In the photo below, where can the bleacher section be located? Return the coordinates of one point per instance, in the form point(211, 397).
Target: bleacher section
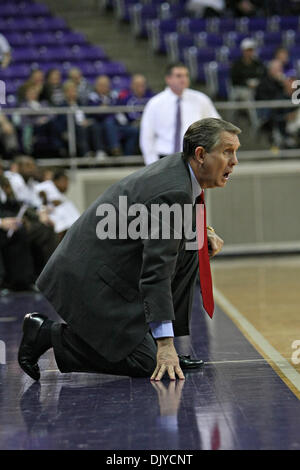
point(207, 46)
point(40, 40)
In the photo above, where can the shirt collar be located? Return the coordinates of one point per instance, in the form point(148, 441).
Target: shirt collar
point(196, 188)
point(168, 89)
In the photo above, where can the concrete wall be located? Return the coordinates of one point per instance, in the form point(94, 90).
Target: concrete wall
point(258, 210)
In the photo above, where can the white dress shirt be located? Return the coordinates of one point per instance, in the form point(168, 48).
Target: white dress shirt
point(4, 46)
point(62, 215)
point(159, 120)
point(24, 192)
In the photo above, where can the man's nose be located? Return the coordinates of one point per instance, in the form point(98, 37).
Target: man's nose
point(234, 160)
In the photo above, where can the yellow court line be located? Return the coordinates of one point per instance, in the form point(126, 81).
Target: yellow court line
point(281, 366)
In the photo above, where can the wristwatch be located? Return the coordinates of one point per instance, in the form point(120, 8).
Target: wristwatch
point(210, 228)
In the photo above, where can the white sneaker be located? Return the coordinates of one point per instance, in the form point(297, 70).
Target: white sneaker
point(100, 155)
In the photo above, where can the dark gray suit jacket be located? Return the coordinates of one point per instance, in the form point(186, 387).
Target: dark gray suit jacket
point(109, 290)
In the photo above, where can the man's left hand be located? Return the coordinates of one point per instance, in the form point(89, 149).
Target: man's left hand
point(215, 243)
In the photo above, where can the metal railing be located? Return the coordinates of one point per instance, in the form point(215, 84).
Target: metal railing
point(92, 110)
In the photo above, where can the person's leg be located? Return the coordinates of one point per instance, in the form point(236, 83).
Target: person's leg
point(111, 133)
point(81, 140)
point(17, 260)
point(72, 354)
point(129, 135)
point(43, 241)
point(96, 137)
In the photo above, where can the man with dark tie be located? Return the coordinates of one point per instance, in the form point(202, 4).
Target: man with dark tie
point(124, 284)
point(168, 114)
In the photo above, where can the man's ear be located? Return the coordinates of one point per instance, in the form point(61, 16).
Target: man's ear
point(199, 154)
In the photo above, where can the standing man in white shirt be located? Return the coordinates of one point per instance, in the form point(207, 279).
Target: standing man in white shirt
point(5, 52)
point(167, 115)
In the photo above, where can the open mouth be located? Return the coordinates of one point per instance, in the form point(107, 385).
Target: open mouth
point(226, 175)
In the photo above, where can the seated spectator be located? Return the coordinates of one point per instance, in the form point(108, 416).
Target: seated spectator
point(37, 131)
point(246, 72)
point(291, 116)
point(5, 52)
point(44, 173)
point(206, 8)
point(52, 91)
point(9, 146)
point(83, 86)
point(245, 7)
point(138, 95)
point(27, 238)
point(271, 87)
point(37, 78)
point(114, 131)
point(106, 123)
point(61, 211)
point(282, 54)
point(86, 129)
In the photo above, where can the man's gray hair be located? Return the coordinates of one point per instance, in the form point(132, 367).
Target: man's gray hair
point(205, 133)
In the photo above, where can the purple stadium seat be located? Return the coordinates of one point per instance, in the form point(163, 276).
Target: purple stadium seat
point(269, 38)
point(294, 53)
point(284, 23)
point(206, 55)
point(193, 25)
point(225, 25)
point(209, 40)
point(15, 39)
point(169, 10)
point(15, 71)
point(120, 83)
point(25, 54)
point(140, 15)
point(234, 53)
point(234, 38)
point(266, 53)
point(87, 52)
point(157, 30)
point(122, 8)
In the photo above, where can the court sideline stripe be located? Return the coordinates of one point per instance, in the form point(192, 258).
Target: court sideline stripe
point(281, 365)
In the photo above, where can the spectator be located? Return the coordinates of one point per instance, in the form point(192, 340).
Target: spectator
point(16, 262)
point(8, 138)
point(83, 86)
point(106, 123)
point(36, 78)
point(37, 131)
point(33, 232)
point(245, 7)
point(62, 211)
point(271, 87)
point(246, 72)
point(167, 115)
point(5, 52)
point(290, 128)
point(282, 54)
point(138, 95)
point(53, 90)
point(86, 129)
point(206, 8)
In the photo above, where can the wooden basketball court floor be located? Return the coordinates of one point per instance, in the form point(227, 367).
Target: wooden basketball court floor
point(245, 397)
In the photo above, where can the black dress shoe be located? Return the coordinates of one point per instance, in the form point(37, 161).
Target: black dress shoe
point(186, 362)
point(30, 350)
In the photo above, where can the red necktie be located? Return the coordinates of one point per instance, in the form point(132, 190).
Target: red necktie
point(204, 265)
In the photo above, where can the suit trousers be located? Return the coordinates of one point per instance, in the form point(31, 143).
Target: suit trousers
point(73, 354)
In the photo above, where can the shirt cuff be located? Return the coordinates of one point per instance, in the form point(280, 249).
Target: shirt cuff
point(161, 329)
